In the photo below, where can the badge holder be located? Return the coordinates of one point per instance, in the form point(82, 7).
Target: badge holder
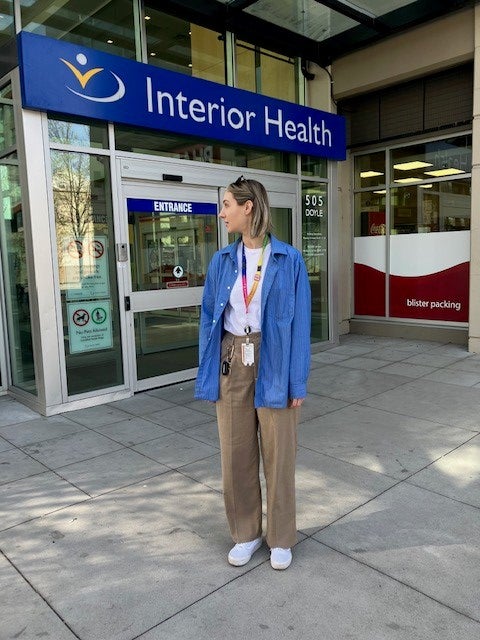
point(248, 351)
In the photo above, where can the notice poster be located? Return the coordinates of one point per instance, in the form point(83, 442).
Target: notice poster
point(84, 268)
point(89, 326)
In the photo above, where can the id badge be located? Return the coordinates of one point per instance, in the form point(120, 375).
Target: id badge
point(248, 354)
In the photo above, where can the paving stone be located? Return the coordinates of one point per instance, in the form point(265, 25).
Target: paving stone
point(97, 416)
point(24, 613)
point(381, 441)
point(322, 595)
point(40, 429)
point(133, 431)
point(444, 403)
point(59, 452)
point(15, 465)
point(142, 404)
point(120, 564)
point(179, 418)
point(457, 474)
point(326, 489)
point(425, 540)
point(175, 450)
point(34, 497)
point(111, 471)
point(12, 412)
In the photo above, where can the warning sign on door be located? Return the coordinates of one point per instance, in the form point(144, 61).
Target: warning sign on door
point(84, 268)
point(89, 326)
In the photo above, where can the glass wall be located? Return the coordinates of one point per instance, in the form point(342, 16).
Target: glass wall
point(87, 270)
point(14, 257)
point(77, 132)
point(7, 25)
point(142, 31)
point(262, 71)
point(211, 151)
point(106, 26)
point(179, 45)
point(408, 202)
point(16, 285)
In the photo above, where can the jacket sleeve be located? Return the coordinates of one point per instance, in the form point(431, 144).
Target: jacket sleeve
point(208, 306)
point(301, 327)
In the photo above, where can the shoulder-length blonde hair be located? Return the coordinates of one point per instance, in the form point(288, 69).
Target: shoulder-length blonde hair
point(243, 190)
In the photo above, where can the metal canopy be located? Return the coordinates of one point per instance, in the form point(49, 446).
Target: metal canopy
point(317, 30)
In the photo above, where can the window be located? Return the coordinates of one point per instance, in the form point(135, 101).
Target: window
point(179, 45)
point(408, 201)
point(106, 26)
point(264, 72)
point(202, 150)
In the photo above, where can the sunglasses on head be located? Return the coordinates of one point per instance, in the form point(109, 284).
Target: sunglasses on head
point(239, 181)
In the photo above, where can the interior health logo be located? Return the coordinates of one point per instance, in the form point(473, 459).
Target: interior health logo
point(84, 78)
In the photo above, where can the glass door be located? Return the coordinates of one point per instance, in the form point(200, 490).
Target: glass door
point(172, 236)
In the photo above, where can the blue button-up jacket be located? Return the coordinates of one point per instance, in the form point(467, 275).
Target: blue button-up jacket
point(286, 317)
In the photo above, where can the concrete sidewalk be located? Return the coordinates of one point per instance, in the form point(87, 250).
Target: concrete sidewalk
point(112, 523)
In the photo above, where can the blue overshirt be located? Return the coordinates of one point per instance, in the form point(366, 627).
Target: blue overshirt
point(285, 320)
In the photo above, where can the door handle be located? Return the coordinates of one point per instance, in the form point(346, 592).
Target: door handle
point(127, 303)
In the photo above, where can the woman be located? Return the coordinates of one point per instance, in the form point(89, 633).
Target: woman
point(254, 363)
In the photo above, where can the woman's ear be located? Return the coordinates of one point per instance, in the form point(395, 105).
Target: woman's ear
point(248, 207)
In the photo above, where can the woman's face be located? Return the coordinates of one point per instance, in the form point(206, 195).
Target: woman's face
point(235, 216)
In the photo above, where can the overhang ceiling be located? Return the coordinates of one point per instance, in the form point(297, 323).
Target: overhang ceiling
point(319, 31)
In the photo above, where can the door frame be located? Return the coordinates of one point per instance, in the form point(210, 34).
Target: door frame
point(4, 346)
point(144, 177)
point(161, 299)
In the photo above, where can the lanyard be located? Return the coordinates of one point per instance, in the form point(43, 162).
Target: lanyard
point(258, 274)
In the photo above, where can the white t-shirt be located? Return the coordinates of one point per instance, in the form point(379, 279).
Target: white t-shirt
point(236, 318)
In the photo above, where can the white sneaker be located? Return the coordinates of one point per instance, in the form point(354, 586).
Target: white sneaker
point(241, 553)
point(280, 558)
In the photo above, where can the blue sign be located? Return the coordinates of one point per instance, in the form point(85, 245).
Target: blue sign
point(72, 79)
point(171, 207)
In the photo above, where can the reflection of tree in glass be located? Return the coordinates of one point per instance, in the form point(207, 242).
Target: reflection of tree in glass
point(73, 133)
point(72, 192)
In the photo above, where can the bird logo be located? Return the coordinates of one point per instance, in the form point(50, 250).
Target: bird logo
point(84, 78)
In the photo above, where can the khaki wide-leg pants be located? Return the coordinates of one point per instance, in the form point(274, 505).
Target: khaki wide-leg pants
point(240, 427)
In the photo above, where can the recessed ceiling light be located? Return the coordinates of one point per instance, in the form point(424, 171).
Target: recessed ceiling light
point(381, 192)
point(416, 164)
point(148, 18)
point(426, 186)
point(370, 174)
point(408, 180)
point(109, 41)
point(444, 172)
point(152, 53)
point(190, 65)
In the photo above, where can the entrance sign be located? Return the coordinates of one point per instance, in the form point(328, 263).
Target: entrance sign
point(67, 78)
point(171, 207)
point(89, 326)
point(84, 268)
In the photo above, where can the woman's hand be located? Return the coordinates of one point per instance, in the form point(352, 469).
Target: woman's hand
point(296, 402)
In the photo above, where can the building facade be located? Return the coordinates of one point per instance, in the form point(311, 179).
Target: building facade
point(120, 127)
